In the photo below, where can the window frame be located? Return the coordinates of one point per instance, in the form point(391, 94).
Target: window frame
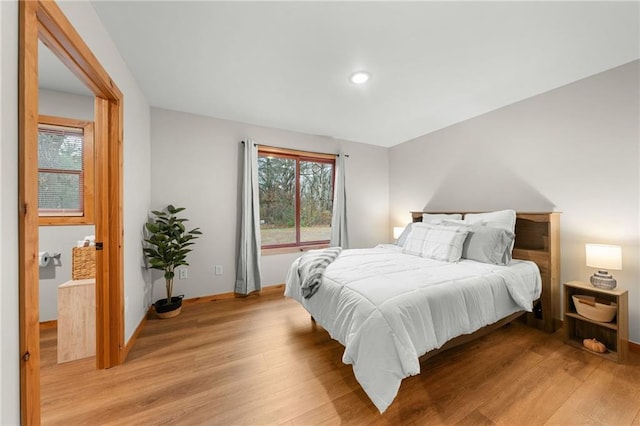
point(53, 217)
point(298, 156)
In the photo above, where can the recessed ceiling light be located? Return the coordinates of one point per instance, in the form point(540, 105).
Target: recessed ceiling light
point(360, 77)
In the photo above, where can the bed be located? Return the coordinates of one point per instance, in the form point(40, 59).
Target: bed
point(389, 307)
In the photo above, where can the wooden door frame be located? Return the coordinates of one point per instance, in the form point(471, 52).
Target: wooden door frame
point(44, 20)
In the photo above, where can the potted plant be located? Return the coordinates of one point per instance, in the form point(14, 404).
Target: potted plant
point(168, 244)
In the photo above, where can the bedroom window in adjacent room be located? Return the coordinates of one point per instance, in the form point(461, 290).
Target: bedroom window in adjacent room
point(296, 197)
point(65, 171)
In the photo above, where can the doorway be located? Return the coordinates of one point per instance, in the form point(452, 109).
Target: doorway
point(44, 21)
point(66, 206)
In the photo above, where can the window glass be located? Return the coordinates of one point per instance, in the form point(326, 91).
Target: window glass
point(277, 181)
point(58, 191)
point(316, 201)
point(65, 171)
point(296, 198)
point(60, 170)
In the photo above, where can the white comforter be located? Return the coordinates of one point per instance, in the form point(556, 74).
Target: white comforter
point(388, 308)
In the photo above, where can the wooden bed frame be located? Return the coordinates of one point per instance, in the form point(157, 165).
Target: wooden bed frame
point(538, 240)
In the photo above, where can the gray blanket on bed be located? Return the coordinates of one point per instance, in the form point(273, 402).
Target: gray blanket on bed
point(311, 268)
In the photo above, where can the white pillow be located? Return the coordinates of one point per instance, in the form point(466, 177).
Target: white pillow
point(415, 239)
point(438, 242)
point(487, 244)
point(449, 222)
point(505, 219)
point(434, 218)
point(484, 243)
point(431, 217)
point(405, 233)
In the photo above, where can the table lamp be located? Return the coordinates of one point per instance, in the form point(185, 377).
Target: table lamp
point(604, 257)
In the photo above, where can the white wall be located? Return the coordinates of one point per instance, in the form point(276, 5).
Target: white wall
point(67, 105)
point(195, 165)
point(60, 239)
point(574, 150)
point(9, 349)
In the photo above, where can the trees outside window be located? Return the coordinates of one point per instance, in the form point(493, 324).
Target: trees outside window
point(65, 171)
point(296, 197)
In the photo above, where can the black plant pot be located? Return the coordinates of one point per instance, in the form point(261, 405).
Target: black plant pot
point(166, 309)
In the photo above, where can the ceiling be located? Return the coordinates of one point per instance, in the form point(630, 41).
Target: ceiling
point(286, 64)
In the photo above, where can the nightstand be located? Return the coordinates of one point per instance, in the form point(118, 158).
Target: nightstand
point(614, 334)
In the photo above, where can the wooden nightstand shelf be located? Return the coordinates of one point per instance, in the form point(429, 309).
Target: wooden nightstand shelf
point(613, 334)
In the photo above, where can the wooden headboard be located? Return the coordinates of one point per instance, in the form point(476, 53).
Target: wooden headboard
point(538, 240)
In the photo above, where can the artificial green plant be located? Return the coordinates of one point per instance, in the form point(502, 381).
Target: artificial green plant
point(168, 243)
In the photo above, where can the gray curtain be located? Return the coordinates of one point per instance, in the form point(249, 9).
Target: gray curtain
point(339, 234)
point(248, 278)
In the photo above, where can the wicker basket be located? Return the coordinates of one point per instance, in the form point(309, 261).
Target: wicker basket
point(83, 263)
point(590, 307)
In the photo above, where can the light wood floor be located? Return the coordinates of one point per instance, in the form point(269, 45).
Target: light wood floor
point(260, 360)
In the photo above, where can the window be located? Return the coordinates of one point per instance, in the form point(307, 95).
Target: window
point(65, 171)
point(296, 197)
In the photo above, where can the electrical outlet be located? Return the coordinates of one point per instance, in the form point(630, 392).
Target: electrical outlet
point(218, 269)
point(183, 273)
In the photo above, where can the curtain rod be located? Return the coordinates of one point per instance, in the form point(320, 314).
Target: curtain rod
point(310, 152)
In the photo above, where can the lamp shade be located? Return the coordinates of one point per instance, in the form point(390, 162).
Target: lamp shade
point(604, 256)
point(397, 231)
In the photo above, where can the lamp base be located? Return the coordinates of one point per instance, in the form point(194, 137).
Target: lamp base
point(602, 279)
